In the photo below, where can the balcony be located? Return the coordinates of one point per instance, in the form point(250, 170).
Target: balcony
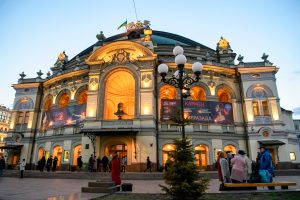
point(20, 128)
point(263, 120)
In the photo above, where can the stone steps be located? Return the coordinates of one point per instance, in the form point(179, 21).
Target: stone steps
point(101, 187)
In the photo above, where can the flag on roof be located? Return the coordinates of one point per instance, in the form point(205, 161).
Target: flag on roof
point(124, 24)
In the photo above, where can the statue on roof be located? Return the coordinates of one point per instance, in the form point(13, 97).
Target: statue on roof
point(61, 60)
point(22, 75)
point(240, 58)
point(40, 74)
point(100, 36)
point(265, 57)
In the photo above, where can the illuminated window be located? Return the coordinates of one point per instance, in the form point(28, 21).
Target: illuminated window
point(41, 153)
point(82, 97)
point(57, 151)
point(76, 154)
point(47, 104)
point(198, 93)
point(167, 92)
point(20, 117)
point(255, 108)
point(26, 117)
point(167, 150)
point(223, 96)
point(119, 88)
point(265, 108)
point(201, 156)
point(230, 148)
point(63, 100)
point(292, 156)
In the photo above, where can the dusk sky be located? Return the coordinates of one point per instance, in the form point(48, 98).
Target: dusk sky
point(34, 32)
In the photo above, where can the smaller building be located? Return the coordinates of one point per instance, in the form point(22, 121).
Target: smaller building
point(5, 116)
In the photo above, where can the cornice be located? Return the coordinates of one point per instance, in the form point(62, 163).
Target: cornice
point(63, 76)
point(26, 85)
point(262, 69)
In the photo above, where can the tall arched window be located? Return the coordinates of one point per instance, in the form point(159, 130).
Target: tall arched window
point(48, 104)
point(167, 92)
point(63, 100)
point(223, 96)
point(82, 97)
point(198, 93)
point(260, 102)
point(119, 88)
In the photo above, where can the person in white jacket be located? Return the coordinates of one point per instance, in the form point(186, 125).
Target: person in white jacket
point(22, 167)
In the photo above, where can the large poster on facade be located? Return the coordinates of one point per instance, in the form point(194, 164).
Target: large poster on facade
point(199, 111)
point(61, 117)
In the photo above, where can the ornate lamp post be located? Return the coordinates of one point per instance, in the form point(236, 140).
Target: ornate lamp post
point(180, 79)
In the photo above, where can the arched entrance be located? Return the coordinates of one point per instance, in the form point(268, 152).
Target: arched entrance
point(167, 149)
point(201, 156)
point(57, 151)
point(110, 149)
point(230, 148)
point(76, 154)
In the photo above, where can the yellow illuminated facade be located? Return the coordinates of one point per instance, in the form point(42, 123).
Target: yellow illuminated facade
point(109, 98)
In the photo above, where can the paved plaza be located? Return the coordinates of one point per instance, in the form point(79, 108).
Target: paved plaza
point(69, 189)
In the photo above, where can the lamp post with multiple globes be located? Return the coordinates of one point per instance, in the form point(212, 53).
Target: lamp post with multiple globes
point(180, 79)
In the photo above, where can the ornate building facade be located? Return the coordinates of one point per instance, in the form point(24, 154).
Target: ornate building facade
point(4, 127)
point(110, 98)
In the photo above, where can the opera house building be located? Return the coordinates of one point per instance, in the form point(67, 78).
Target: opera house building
point(110, 97)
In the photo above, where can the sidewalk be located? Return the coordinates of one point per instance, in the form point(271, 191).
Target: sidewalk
point(69, 189)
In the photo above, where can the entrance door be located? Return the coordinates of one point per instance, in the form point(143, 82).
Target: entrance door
point(120, 148)
point(201, 159)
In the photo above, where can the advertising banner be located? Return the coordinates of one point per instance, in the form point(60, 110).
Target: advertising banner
point(199, 111)
point(60, 117)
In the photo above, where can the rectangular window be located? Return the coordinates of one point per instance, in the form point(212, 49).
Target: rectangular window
point(20, 118)
point(265, 108)
point(255, 108)
point(26, 117)
point(292, 156)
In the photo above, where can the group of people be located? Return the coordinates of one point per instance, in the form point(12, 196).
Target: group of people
point(239, 168)
point(105, 164)
point(50, 163)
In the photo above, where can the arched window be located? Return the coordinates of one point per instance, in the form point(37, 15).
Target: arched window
point(167, 92)
point(25, 103)
point(41, 153)
point(48, 104)
point(223, 96)
point(119, 88)
point(63, 100)
point(82, 97)
point(230, 148)
point(198, 93)
point(260, 102)
point(57, 151)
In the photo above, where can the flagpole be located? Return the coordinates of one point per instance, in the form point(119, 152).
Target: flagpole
point(135, 10)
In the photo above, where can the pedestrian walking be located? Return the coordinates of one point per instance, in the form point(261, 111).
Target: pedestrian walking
point(104, 163)
point(2, 165)
point(49, 163)
point(265, 163)
point(22, 167)
point(115, 169)
point(239, 167)
point(148, 164)
point(124, 163)
point(54, 163)
point(79, 163)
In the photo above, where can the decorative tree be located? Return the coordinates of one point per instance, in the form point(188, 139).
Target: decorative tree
point(182, 178)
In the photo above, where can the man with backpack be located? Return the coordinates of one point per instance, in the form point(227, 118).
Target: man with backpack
point(265, 164)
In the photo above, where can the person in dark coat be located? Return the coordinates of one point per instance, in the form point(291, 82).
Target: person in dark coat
point(99, 162)
point(43, 163)
point(91, 163)
point(79, 163)
point(2, 165)
point(104, 163)
point(54, 163)
point(49, 163)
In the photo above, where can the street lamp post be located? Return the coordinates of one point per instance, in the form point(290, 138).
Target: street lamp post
point(180, 79)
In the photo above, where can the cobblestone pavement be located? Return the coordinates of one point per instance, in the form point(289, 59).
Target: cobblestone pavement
point(69, 189)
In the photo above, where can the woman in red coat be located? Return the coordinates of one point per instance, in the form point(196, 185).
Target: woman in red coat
point(115, 172)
